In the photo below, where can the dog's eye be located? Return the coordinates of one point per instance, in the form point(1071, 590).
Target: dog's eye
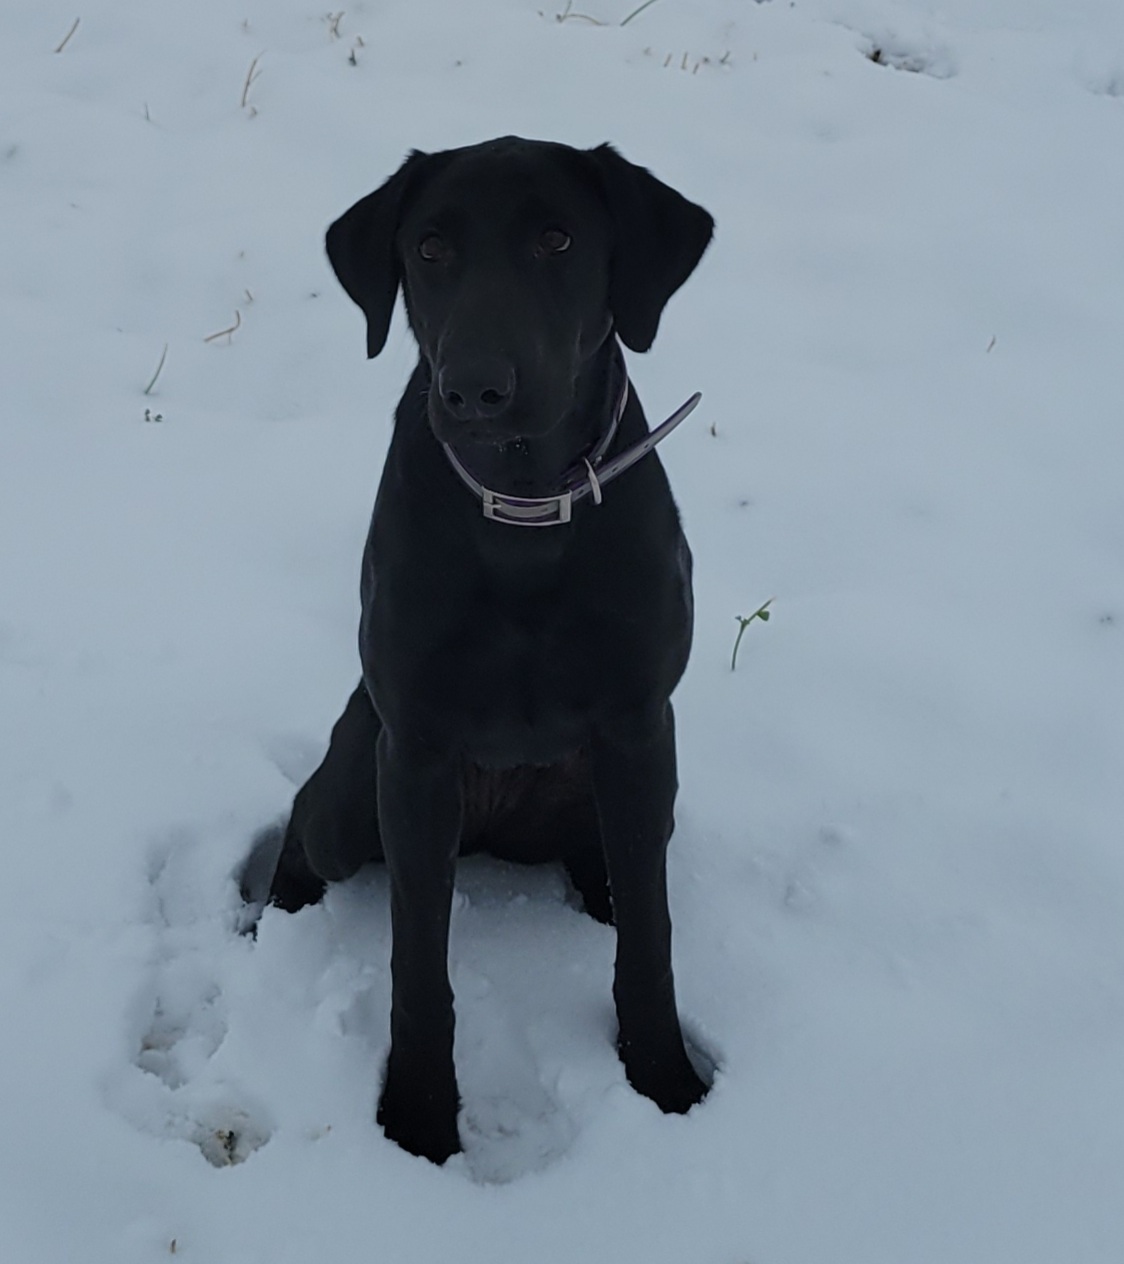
point(432, 248)
point(554, 241)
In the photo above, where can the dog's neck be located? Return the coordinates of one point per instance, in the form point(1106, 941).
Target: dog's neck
point(534, 467)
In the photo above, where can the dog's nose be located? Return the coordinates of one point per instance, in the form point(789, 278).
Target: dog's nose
point(478, 391)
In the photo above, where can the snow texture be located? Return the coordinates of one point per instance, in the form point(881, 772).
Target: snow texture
point(897, 878)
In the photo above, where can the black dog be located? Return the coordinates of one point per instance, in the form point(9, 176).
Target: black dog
point(516, 682)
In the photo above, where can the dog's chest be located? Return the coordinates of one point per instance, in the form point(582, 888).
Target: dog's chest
point(526, 691)
point(518, 664)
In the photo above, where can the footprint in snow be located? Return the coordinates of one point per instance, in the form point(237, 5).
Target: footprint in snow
point(1105, 80)
point(516, 1119)
point(916, 56)
point(511, 1123)
point(181, 1090)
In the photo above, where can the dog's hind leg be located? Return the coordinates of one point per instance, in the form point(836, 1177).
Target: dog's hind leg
point(333, 828)
point(276, 872)
point(294, 885)
point(586, 870)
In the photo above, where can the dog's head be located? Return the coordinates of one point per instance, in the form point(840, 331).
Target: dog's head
point(517, 260)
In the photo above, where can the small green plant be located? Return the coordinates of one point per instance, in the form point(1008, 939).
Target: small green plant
point(743, 621)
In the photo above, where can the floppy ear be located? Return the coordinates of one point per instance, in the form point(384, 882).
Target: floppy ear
point(363, 254)
point(658, 239)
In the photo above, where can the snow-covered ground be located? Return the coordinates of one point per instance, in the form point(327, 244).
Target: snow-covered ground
point(898, 877)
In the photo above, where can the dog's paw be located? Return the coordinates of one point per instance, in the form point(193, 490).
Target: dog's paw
point(422, 1120)
point(668, 1078)
point(421, 1131)
point(674, 1092)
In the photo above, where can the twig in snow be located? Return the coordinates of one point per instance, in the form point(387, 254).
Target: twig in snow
point(992, 343)
point(579, 17)
point(227, 333)
point(251, 75)
point(636, 12)
point(762, 613)
point(152, 383)
point(333, 20)
point(567, 13)
point(66, 38)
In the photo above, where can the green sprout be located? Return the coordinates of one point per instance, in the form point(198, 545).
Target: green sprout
point(743, 621)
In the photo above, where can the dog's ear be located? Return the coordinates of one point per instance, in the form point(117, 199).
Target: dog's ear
point(363, 254)
point(658, 239)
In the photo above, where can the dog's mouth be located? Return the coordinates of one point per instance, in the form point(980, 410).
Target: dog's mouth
point(510, 434)
point(515, 446)
point(461, 434)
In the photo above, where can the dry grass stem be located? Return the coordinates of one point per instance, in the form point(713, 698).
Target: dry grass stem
point(227, 333)
point(66, 37)
point(251, 75)
point(568, 13)
point(152, 383)
point(636, 12)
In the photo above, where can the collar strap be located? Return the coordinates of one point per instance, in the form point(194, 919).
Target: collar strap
point(584, 479)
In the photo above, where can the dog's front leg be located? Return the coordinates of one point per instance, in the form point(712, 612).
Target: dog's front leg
point(634, 779)
point(420, 819)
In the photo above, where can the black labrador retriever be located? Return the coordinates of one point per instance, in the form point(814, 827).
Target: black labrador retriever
point(526, 588)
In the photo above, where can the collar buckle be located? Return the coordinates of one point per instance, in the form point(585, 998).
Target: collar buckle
point(526, 511)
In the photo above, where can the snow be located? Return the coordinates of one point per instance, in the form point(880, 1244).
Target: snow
point(897, 875)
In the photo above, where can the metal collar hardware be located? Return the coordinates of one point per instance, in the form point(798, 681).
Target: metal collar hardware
point(587, 478)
